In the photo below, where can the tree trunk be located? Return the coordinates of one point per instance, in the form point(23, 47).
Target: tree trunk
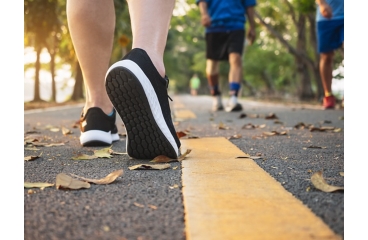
point(52, 70)
point(315, 68)
point(305, 90)
point(78, 93)
point(37, 97)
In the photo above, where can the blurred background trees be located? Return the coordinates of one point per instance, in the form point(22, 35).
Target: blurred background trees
point(282, 63)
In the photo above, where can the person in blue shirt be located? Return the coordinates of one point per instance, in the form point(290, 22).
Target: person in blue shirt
point(224, 22)
point(330, 37)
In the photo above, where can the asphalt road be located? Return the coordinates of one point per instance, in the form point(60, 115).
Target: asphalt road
point(146, 204)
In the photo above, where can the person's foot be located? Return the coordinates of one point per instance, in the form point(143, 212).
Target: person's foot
point(97, 129)
point(139, 95)
point(329, 102)
point(217, 103)
point(233, 105)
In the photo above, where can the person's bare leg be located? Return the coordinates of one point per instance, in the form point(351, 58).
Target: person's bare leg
point(150, 22)
point(212, 73)
point(325, 66)
point(91, 24)
point(236, 70)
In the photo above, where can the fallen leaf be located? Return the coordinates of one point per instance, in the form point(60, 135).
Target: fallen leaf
point(83, 156)
point(30, 158)
point(312, 146)
point(163, 159)
point(255, 157)
point(183, 155)
point(40, 185)
point(271, 116)
point(117, 153)
point(337, 130)
point(152, 206)
point(54, 144)
point(66, 131)
point(277, 122)
point(54, 129)
point(174, 168)
point(181, 134)
point(320, 183)
point(254, 116)
point(103, 153)
point(31, 148)
point(149, 166)
point(65, 181)
point(248, 126)
point(270, 133)
point(236, 136)
point(341, 173)
point(222, 126)
point(261, 126)
point(106, 180)
point(174, 186)
point(243, 115)
point(139, 205)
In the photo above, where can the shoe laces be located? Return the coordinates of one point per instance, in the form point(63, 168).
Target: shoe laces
point(167, 86)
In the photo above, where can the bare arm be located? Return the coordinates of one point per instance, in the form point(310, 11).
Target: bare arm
point(251, 35)
point(324, 8)
point(205, 17)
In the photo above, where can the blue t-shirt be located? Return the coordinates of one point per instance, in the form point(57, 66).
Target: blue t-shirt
point(337, 7)
point(227, 14)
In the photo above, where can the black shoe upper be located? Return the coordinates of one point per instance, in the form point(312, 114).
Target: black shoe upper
point(160, 84)
point(96, 119)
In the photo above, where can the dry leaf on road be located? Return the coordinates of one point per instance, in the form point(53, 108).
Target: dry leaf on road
point(149, 166)
point(106, 180)
point(65, 181)
point(103, 153)
point(40, 185)
point(31, 158)
point(320, 183)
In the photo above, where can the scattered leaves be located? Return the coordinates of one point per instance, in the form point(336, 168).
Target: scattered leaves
point(106, 180)
point(83, 156)
point(236, 136)
point(31, 158)
point(103, 153)
point(150, 166)
point(66, 131)
point(222, 126)
point(40, 185)
point(271, 116)
point(243, 115)
point(273, 133)
point(65, 181)
point(165, 159)
point(320, 183)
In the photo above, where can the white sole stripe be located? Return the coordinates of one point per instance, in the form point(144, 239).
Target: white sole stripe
point(151, 96)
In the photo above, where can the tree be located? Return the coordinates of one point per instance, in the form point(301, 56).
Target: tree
point(41, 25)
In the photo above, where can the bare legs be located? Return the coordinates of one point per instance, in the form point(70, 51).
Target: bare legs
point(92, 24)
point(325, 65)
point(150, 24)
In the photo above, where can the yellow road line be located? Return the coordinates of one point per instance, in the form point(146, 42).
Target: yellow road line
point(229, 198)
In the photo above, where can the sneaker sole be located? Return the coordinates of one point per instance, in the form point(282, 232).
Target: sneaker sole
point(135, 100)
point(98, 138)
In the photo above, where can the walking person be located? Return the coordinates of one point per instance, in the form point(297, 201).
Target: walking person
point(194, 85)
point(134, 87)
point(224, 23)
point(330, 37)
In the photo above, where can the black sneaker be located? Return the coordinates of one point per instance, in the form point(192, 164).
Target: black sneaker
point(97, 129)
point(234, 107)
point(139, 95)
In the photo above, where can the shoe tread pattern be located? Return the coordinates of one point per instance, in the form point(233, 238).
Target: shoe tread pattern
point(145, 139)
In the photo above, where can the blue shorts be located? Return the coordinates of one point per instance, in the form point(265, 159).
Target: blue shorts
point(330, 35)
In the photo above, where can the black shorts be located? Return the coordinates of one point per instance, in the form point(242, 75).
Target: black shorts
point(220, 44)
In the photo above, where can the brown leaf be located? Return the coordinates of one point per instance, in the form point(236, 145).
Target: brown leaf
point(54, 144)
point(261, 126)
point(163, 159)
point(40, 185)
point(174, 186)
point(65, 181)
point(222, 126)
point(65, 131)
point(248, 126)
point(270, 133)
point(181, 134)
point(150, 166)
point(103, 153)
point(320, 183)
point(254, 115)
point(183, 156)
point(139, 205)
point(83, 156)
point(54, 129)
point(106, 180)
point(30, 158)
point(243, 115)
point(236, 136)
point(271, 116)
point(312, 146)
